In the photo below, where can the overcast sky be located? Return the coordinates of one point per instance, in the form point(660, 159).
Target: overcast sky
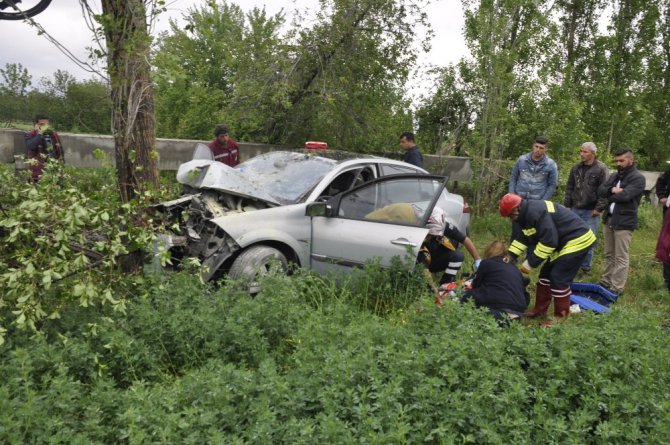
point(20, 42)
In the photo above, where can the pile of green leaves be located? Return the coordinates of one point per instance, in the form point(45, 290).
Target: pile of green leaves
point(60, 245)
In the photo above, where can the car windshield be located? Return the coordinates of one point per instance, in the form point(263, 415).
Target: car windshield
point(286, 176)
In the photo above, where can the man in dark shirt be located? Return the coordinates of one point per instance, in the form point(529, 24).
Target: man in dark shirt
point(554, 238)
point(663, 190)
point(581, 192)
point(412, 155)
point(42, 144)
point(623, 191)
point(224, 148)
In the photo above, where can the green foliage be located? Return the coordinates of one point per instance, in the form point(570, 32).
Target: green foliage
point(192, 364)
point(60, 246)
point(339, 80)
point(364, 358)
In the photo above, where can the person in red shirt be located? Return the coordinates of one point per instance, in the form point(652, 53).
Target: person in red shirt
point(42, 144)
point(224, 148)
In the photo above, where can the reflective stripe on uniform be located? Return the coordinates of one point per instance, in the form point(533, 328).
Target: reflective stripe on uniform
point(550, 207)
point(529, 232)
point(577, 244)
point(517, 247)
point(541, 251)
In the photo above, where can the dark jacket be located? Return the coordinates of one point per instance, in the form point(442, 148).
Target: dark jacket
point(552, 229)
point(581, 192)
point(413, 156)
point(41, 148)
point(499, 285)
point(663, 187)
point(624, 215)
point(46, 144)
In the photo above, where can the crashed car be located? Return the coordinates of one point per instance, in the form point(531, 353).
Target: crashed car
point(323, 210)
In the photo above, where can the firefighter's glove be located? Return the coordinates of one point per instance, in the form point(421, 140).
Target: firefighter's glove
point(525, 268)
point(476, 264)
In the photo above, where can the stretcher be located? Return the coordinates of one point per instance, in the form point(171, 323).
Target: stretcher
point(593, 297)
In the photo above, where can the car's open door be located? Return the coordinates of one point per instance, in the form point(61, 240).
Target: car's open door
point(381, 219)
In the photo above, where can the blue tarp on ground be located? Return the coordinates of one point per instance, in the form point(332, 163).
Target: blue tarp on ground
point(593, 297)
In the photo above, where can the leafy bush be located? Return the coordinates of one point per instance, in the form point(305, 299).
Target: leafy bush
point(58, 246)
point(193, 364)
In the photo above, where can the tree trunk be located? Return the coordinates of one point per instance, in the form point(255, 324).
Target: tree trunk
point(133, 121)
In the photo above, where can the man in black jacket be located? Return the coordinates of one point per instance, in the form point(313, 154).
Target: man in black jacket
point(412, 155)
point(581, 192)
point(663, 190)
point(623, 191)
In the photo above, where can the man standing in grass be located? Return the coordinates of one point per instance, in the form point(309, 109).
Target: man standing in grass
point(535, 174)
point(623, 191)
point(581, 193)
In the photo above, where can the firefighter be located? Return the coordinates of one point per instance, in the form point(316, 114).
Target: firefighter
point(561, 241)
point(439, 250)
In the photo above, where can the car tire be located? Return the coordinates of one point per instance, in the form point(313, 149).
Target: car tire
point(255, 262)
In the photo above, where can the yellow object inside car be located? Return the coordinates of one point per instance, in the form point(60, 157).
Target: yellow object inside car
point(400, 212)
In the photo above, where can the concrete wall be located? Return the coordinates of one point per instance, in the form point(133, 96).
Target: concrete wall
point(79, 150)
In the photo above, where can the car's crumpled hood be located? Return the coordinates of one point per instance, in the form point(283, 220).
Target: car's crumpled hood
point(206, 174)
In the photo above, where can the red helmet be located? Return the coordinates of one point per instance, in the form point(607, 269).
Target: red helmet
point(508, 203)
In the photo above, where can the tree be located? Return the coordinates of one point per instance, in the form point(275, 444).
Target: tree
point(14, 92)
point(445, 117)
point(222, 66)
point(340, 80)
point(124, 27)
point(350, 70)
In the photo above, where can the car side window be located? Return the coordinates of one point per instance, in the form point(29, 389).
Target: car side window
point(392, 169)
point(348, 180)
point(398, 201)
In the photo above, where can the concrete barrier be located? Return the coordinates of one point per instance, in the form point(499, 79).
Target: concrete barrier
point(80, 148)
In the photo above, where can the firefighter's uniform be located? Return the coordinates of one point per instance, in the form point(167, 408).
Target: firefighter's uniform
point(559, 239)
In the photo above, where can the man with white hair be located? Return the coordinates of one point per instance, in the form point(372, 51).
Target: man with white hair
point(439, 251)
point(581, 193)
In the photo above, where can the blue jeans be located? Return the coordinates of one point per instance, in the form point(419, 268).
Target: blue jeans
point(594, 223)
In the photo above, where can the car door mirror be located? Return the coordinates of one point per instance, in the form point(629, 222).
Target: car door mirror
point(318, 209)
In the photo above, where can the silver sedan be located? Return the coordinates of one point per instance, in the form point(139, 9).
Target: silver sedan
point(324, 210)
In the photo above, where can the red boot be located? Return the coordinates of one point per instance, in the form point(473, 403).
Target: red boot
point(542, 301)
point(562, 307)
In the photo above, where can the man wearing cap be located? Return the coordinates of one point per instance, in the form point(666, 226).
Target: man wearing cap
point(581, 193)
point(224, 148)
point(559, 239)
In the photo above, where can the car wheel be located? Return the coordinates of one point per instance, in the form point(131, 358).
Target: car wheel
point(255, 262)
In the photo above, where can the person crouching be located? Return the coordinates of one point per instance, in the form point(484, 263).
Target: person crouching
point(499, 285)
